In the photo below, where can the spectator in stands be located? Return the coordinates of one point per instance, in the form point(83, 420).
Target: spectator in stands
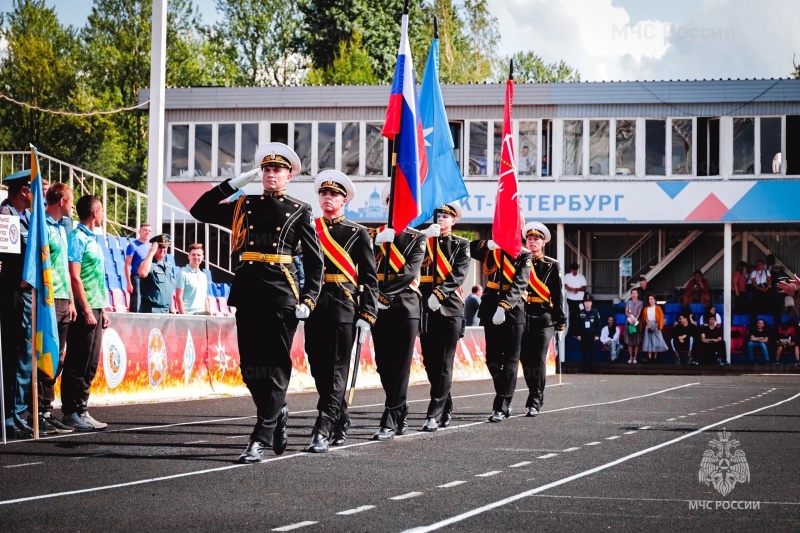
point(712, 311)
point(85, 335)
point(588, 332)
point(759, 338)
point(471, 305)
point(697, 290)
point(760, 281)
point(134, 254)
point(683, 340)
point(785, 342)
point(157, 277)
point(609, 338)
point(712, 346)
point(641, 289)
point(191, 285)
point(633, 317)
point(575, 285)
point(653, 338)
point(739, 283)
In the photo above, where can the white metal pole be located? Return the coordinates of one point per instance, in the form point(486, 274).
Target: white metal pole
point(155, 149)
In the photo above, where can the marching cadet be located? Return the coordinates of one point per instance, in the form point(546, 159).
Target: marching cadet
point(502, 316)
point(399, 304)
point(266, 232)
point(346, 306)
point(544, 314)
point(444, 269)
point(157, 279)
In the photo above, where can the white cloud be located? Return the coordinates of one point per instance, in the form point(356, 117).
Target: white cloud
point(716, 39)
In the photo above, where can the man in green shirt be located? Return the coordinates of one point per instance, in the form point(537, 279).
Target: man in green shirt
point(85, 336)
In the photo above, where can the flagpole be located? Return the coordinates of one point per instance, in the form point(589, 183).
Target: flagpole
point(435, 210)
point(2, 392)
point(34, 373)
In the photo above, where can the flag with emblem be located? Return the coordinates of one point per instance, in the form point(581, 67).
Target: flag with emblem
point(444, 183)
point(38, 274)
point(404, 127)
point(507, 225)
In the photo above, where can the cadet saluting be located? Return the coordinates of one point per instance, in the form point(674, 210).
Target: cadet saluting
point(443, 310)
point(544, 314)
point(502, 316)
point(266, 232)
point(342, 309)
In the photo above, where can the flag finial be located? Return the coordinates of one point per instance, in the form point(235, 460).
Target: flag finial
point(405, 7)
point(435, 27)
point(511, 70)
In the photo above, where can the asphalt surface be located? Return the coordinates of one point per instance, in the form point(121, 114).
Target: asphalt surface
point(607, 453)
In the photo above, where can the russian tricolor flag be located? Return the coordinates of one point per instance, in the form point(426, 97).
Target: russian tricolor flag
point(404, 126)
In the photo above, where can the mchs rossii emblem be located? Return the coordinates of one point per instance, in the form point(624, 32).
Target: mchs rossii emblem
point(723, 466)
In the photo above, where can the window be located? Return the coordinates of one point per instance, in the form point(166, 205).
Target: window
point(598, 147)
point(202, 150)
point(374, 157)
point(771, 157)
point(498, 146)
point(547, 147)
point(792, 139)
point(655, 137)
point(226, 150)
point(326, 145)
point(573, 148)
point(249, 145)
point(302, 145)
point(279, 133)
point(526, 164)
point(626, 147)
point(180, 150)
point(477, 148)
point(744, 141)
point(681, 146)
point(455, 132)
point(350, 148)
point(707, 146)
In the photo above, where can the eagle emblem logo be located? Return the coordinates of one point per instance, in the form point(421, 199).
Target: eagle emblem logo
point(722, 466)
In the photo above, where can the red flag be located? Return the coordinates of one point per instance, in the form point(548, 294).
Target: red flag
point(507, 216)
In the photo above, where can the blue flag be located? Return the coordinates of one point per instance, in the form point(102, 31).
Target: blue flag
point(38, 274)
point(444, 183)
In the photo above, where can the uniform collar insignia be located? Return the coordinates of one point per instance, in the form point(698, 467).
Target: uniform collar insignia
point(446, 234)
point(275, 194)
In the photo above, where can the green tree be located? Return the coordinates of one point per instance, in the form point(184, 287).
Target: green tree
point(483, 37)
point(529, 67)
point(453, 42)
point(351, 66)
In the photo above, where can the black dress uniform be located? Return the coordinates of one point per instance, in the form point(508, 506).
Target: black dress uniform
point(330, 330)
point(396, 328)
point(267, 230)
point(503, 342)
point(589, 326)
point(441, 329)
point(544, 312)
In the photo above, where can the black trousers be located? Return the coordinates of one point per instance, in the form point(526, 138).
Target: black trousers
point(439, 343)
point(80, 364)
point(711, 351)
point(503, 344)
point(587, 349)
point(265, 342)
point(329, 346)
point(393, 335)
point(535, 345)
point(574, 309)
point(11, 310)
point(135, 297)
point(45, 384)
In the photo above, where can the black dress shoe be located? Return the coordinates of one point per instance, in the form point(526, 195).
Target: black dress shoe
point(254, 452)
point(431, 425)
point(319, 444)
point(280, 439)
point(496, 416)
point(339, 437)
point(384, 433)
point(402, 427)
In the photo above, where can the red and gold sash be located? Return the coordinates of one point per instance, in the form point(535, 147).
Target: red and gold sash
point(538, 287)
point(333, 251)
point(443, 266)
point(501, 259)
point(396, 259)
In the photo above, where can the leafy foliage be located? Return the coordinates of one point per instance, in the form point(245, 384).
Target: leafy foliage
point(529, 67)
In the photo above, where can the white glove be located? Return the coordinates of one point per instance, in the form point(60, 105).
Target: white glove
point(302, 312)
point(382, 306)
point(243, 179)
point(433, 303)
point(491, 245)
point(386, 235)
point(362, 327)
point(434, 230)
point(499, 316)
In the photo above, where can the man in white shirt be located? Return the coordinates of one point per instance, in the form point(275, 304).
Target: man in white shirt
point(575, 287)
point(191, 287)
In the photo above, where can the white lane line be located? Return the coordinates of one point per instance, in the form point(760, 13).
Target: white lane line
point(237, 436)
point(671, 419)
point(90, 456)
point(614, 401)
point(595, 443)
point(487, 474)
point(195, 442)
point(612, 437)
point(298, 525)
point(23, 464)
point(547, 456)
point(692, 414)
point(451, 484)
point(645, 427)
point(357, 510)
point(406, 496)
point(517, 465)
point(682, 416)
point(571, 449)
point(629, 432)
point(542, 488)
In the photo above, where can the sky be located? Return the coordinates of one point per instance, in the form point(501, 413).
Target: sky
point(614, 40)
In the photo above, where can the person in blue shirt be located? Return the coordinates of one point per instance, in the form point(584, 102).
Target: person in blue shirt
point(134, 255)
